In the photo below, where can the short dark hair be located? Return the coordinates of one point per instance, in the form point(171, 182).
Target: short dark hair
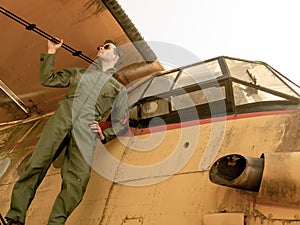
point(117, 51)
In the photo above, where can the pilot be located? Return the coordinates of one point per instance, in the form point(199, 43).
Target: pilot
point(91, 94)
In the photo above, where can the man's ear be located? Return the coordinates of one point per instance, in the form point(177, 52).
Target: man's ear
point(116, 58)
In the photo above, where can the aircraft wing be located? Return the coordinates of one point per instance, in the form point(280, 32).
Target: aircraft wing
point(84, 25)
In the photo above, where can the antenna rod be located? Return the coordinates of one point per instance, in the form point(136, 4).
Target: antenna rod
point(34, 28)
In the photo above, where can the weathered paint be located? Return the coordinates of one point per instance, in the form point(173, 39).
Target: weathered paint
point(185, 197)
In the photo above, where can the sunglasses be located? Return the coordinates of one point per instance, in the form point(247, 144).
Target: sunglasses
point(108, 46)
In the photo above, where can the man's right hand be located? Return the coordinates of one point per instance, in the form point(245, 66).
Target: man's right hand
point(52, 47)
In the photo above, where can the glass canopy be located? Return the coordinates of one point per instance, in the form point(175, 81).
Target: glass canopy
point(235, 82)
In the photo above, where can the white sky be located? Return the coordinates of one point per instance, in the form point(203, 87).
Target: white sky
point(264, 30)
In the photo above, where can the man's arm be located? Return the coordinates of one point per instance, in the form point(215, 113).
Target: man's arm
point(119, 116)
point(47, 61)
point(119, 119)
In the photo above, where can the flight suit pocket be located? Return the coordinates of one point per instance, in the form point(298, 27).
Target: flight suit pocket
point(105, 102)
point(76, 89)
point(108, 94)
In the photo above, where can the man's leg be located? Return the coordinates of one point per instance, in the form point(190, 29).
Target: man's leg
point(75, 177)
point(36, 169)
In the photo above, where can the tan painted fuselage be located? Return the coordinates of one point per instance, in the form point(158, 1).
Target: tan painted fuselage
point(168, 183)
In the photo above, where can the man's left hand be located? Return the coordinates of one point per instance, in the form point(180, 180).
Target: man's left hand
point(97, 129)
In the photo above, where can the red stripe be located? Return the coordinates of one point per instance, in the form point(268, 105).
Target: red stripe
point(137, 131)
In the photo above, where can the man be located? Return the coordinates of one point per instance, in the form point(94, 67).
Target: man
point(91, 94)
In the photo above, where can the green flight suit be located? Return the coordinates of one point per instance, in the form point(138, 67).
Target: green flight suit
point(91, 94)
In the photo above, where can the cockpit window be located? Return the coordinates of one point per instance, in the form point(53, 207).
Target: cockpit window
point(161, 84)
point(258, 74)
point(179, 78)
point(245, 95)
point(154, 108)
point(199, 73)
point(212, 88)
point(136, 94)
point(199, 97)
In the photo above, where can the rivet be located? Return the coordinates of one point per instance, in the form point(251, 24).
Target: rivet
point(186, 144)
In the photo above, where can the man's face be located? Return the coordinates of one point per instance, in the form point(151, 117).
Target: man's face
point(107, 52)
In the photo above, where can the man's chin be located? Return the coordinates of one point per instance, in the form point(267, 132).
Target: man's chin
point(97, 58)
